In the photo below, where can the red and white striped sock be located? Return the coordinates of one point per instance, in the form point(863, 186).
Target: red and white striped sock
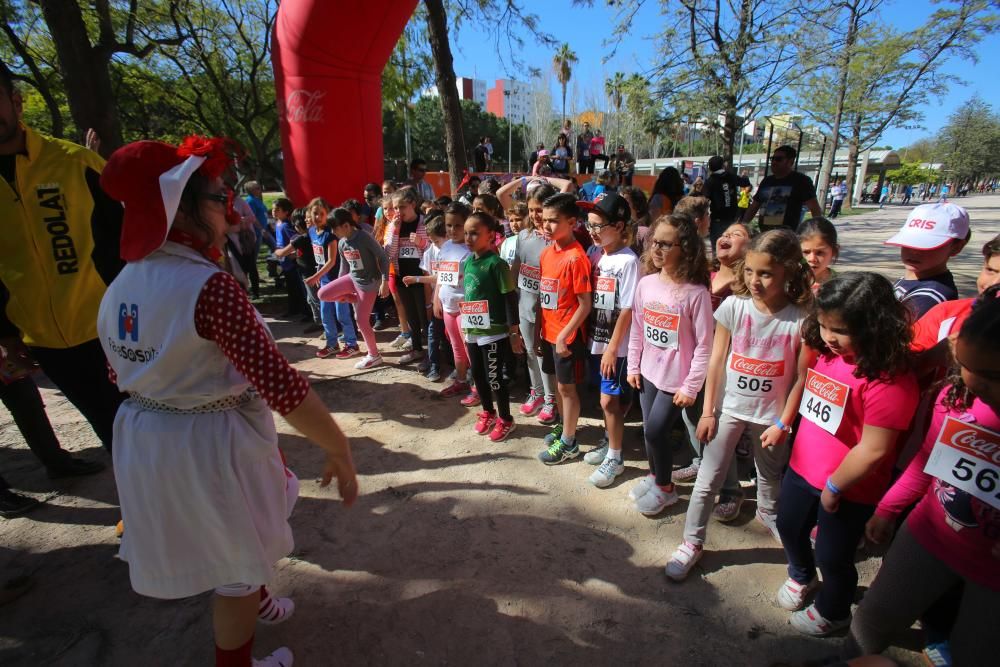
point(273, 610)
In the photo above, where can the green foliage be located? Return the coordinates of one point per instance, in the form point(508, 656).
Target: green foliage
point(911, 173)
point(970, 142)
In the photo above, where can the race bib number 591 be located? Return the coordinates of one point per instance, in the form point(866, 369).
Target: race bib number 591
point(967, 456)
point(549, 293)
point(823, 401)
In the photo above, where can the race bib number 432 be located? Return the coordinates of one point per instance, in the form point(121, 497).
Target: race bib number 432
point(967, 456)
point(823, 401)
point(475, 314)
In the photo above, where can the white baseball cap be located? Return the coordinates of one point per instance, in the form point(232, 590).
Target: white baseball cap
point(930, 226)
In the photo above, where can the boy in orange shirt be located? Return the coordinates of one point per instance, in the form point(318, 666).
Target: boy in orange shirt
point(565, 303)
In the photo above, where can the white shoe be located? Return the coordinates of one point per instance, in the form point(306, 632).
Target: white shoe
point(683, 559)
point(400, 342)
point(274, 610)
point(410, 357)
point(606, 473)
point(656, 500)
point(769, 521)
point(641, 488)
point(792, 595)
point(281, 658)
point(368, 362)
point(810, 622)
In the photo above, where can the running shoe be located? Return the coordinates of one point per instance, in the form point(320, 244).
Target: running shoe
point(326, 352)
point(281, 658)
point(273, 611)
point(485, 422)
point(532, 404)
point(400, 342)
point(554, 434)
point(683, 559)
point(434, 375)
point(656, 500)
point(688, 473)
point(596, 456)
point(606, 473)
point(502, 429)
point(728, 509)
point(348, 351)
point(472, 400)
point(550, 412)
point(641, 488)
point(14, 504)
point(558, 452)
point(810, 622)
point(770, 521)
point(368, 362)
point(792, 595)
point(410, 357)
point(455, 389)
point(938, 654)
point(424, 365)
point(379, 325)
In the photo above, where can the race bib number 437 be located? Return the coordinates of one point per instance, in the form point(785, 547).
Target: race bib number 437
point(967, 456)
point(823, 401)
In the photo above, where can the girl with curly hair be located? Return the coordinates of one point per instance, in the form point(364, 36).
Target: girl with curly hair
point(860, 396)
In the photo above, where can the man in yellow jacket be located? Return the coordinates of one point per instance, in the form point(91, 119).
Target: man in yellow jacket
point(58, 253)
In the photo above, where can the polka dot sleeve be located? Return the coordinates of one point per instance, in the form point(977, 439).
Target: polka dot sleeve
point(224, 315)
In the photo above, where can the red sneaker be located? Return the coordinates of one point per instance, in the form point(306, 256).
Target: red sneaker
point(348, 351)
point(502, 429)
point(326, 352)
point(472, 400)
point(485, 422)
point(455, 389)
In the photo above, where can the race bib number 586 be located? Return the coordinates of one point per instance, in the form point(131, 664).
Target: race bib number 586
point(659, 328)
point(823, 401)
point(967, 456)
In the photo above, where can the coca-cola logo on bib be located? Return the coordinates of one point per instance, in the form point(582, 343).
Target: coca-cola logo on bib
point(824, 387)
point(973, 439)
point(660, 320)
point(757, 367)
point(532, 272)
point(304, 106)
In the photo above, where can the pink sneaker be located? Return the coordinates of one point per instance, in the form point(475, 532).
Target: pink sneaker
point(485, 422)
point(502, 429)
point(472, 400)
point(533, 404)
point(455, 389)
point(549, 414)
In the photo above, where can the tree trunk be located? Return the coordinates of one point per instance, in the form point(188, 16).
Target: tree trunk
point(852, 161)
point(564, 105)
point(454, 141)
point(85, 73)
point(729, 135)
point(826, 169)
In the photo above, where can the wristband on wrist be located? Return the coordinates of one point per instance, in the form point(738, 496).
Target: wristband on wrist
point(831, 487)
point(708, 416)
point(780, 424)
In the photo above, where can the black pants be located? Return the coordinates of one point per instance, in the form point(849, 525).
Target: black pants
point(586, 165)
point(659, 414)
point(24, 401)
point(415, 304)
point(835, 208)
point(295, 289)
point(599, 156)
point(81, 374)
point(487, 363)
point(836, 542)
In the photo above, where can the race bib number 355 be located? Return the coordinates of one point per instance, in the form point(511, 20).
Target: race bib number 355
point(823, 401)
point(528, 278)
point(967, 456)
point(659, 328)
point(475, 314)
point(549, 293)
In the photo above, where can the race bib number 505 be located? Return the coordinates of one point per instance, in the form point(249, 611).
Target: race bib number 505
point(753, 377)
point(967, 456)
point(823, 401)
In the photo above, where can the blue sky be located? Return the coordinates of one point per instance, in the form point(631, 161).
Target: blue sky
point(476, 56)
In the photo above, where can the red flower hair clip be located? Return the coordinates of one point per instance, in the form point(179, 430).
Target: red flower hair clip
point(219, 153)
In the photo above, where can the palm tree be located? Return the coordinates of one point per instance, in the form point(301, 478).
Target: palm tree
point(615, 89)
point(562, 63)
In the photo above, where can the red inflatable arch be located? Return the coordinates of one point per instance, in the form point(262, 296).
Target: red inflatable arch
point(328, 57)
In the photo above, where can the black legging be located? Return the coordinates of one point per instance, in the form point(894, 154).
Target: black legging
point(659, 414)
point(24, 402)
point(415, 305)
point(487, 363)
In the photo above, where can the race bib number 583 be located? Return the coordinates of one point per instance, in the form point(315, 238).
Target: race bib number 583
point(823, 401)
point(967, 456)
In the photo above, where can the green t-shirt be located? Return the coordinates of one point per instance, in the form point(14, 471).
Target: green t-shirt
point(487, 278)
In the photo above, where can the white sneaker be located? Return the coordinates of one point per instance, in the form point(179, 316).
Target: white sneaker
point(368, 362)
point(683, 559)
point(410, 357)
point(769, 521)
point(274, 610)
point(280, 658)
point(792, 595)
point(810, 622)
point(606, 473)
point(401, 342)
point(656, 500)
point(641, 488)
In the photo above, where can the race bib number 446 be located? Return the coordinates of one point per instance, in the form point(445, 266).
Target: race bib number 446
point(475, 314)
point(967, 456)
point(823, 401)
point(659, 328)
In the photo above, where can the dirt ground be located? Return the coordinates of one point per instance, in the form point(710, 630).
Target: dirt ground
point(458, 552)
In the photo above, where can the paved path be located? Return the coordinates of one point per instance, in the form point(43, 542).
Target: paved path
point(861, 238)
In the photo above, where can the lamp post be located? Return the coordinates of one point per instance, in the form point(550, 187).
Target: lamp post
point(510, 129)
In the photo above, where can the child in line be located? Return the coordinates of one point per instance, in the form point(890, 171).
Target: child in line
point(565, 300)
point(448, 298)
point(429, 265)
point(950, 539)
point(668, 349)
point(818, 238)
point(615, 274)
point(517, 216)
point(284, 231)
point(931, 235)
point(756, 372)
point(300, 248)
point(859, 397)
point(405, 242)
point(364, 274)
point(489, 322)
point(389, 214)
point(334, 315)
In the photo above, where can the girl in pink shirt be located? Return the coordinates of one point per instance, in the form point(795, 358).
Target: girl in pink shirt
point(859, 396)
point(953, 535)
point(668, 347)
point(755, 380)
